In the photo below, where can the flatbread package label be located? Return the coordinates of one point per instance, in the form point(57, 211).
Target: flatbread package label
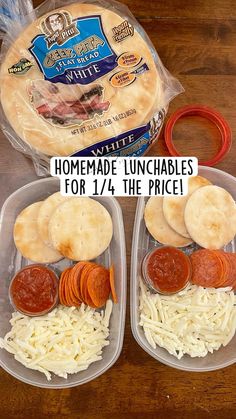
point(83, 79)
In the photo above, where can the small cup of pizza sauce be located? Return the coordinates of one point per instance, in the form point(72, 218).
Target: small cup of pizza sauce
point(166, 270)
point(33, 290)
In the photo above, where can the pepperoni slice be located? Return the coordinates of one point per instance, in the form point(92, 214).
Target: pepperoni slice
point(225, 268)
point(88, 299)
point(74, 286)
point(75, 279)
point(68, 296)
point(99, 286)
point(231, 280)
point(112, 284)
point(62, 284)
point(207, 268)
point(73, 298)
point(83, 278)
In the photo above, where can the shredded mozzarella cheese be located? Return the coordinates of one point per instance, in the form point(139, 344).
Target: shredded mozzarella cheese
point(194, 321)
point(65, 341)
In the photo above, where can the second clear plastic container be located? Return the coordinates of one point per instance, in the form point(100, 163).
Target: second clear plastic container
point(11, 261)
point(142, 243)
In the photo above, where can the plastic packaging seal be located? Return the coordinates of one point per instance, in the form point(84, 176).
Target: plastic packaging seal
point(205, 112)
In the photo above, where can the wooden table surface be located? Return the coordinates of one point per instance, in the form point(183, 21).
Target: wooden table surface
point(196, 41)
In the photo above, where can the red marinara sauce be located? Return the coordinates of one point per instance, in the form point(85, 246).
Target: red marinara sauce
point(34, 290)
point(166, 270)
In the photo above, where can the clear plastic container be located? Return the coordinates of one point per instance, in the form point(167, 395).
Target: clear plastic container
point(12, 261)
point(142, 243)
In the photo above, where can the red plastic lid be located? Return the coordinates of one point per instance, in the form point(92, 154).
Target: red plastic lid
point(205, 112)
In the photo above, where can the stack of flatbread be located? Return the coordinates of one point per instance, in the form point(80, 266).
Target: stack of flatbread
point(206, 215)
point(29, 101)
point(75, 228)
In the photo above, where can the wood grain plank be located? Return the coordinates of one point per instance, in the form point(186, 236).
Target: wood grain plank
point(192, 31)
point(179, 9)
point(163, 391)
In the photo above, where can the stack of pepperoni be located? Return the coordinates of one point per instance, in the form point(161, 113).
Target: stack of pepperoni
point(213, 268)
point(88, 283)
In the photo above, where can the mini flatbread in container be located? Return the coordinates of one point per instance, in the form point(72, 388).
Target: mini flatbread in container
point(158, 226)
point(82, 79)
point(174, 207)
point(27, 239)
point(80, 229)
point(210, 217)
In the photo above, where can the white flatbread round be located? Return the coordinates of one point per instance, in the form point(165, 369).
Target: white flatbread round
point(173, 207)
point(210, 217)
point(45, 211)
point(59, 118)
point(158, 227)
point(27, 238)
point(81, 229)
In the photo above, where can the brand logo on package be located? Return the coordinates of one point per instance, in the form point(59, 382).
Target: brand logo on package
point(122, 31)
point(59, 28)
point(21, 67)
point(78, 53)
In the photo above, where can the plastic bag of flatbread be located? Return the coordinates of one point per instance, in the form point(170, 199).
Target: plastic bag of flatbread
point(81, 78)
